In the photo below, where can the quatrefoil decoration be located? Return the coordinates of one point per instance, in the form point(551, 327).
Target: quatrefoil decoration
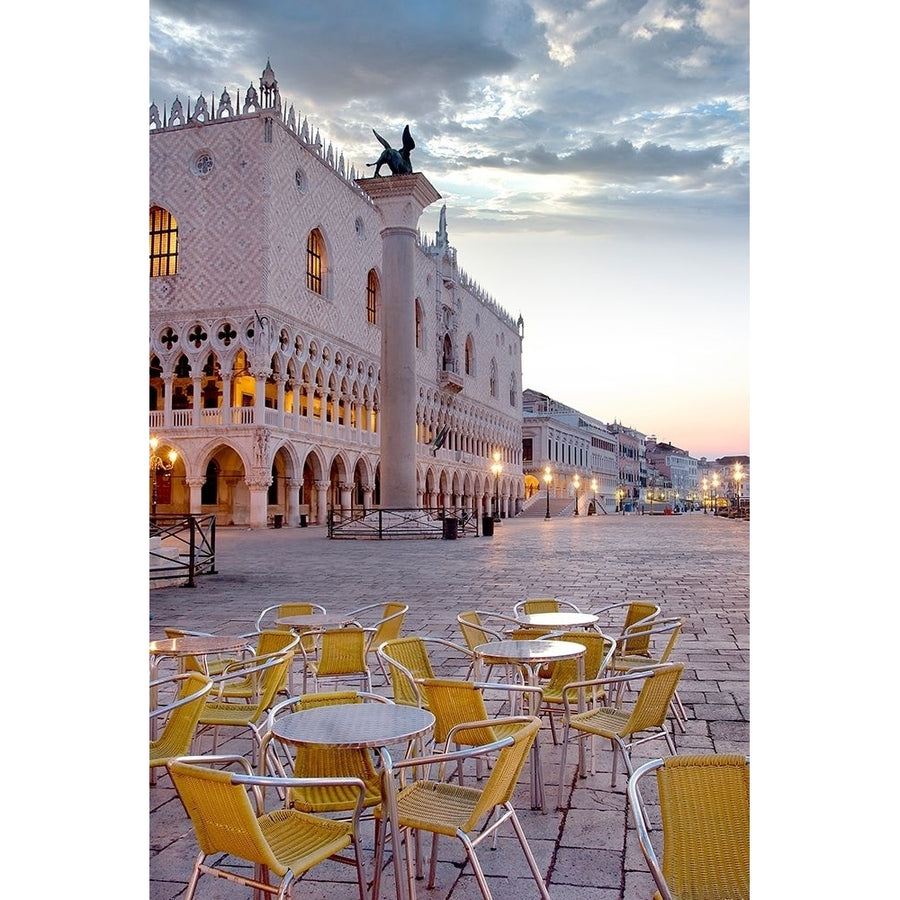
point(169, 338)
point(227, 334)
point(197, 336)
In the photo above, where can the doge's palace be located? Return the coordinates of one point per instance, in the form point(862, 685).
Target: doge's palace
point(266, 321)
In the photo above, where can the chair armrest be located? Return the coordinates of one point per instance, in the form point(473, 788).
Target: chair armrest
point(634, 675)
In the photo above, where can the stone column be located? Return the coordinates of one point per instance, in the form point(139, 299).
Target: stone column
point(194, 485)
point(367, 498)
point(293, 497)
point(259, 500)
point(400, 201)
point(346, 499)
point(322, 489)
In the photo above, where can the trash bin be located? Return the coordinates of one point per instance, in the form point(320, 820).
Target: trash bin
point(302, 521)
point(487, 526)
point(278, 519)
point(450, 528)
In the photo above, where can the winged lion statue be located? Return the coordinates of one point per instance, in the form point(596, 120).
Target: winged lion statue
point(396, 160)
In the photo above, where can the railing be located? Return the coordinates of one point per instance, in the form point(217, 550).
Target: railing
point(384, 524)
point(195, 539)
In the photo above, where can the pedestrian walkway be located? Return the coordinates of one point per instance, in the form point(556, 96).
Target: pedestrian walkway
point(693, 566)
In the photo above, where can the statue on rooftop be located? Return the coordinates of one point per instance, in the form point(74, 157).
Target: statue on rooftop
point(396, 160)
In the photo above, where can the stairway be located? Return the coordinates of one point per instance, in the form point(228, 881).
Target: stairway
point(536, 507)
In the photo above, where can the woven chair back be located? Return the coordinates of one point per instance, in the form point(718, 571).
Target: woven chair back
point(454, 702)
point(640, 643)
point(342, 651)
point(391, 623)
point(222, 815)
point(411, 654)
point(652, 704)
point(506, 770)
point(705, 810)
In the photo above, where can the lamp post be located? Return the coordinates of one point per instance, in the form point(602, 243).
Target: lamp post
point(715, 486)
point(738, 475)
point(576, 483)
point(496, 468)
point(594, 491)
point(620, 499)
point(547, 479)
point(158, 464)
point(704, 486)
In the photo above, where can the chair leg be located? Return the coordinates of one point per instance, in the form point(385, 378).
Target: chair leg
point(532, 863)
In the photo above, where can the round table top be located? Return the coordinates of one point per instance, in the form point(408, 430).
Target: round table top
point(354, 724)
point(558, 619)
point(529, 651)
point(197, 645)
point(314, 620)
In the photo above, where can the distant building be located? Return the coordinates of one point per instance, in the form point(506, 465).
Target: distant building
point(676, 469)
point(570, 444)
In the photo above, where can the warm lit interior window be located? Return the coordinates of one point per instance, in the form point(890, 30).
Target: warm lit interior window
point(372, 297)
point(314, 261)
point(163, 242)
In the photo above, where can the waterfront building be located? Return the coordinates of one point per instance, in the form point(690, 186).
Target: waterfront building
point(266, 331)
point(571, 444)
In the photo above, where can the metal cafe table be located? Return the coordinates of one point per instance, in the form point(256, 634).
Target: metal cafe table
point(531, 655)
point(314, 621)
point(558, 620)
point(198, 646)
point(355, 725)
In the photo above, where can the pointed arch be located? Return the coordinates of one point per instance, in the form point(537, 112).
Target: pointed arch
point(373, 297)
point(316, 262)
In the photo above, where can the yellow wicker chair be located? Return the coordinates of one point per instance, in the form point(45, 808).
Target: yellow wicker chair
point(285, 842)
point(219, 712)
point(656, 629)
point(458, 811)
point(341, 654)
point(325, 762)
point(181, 716)
point(269, 645)
point(621, 726)
point(704, 804)
point(388, 626)
point(475, 631)
point(456, 704)
point(406, 660)
point(636, 612)
point(599, 653)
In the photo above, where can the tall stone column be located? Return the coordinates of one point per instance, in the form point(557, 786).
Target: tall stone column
point(400, 201)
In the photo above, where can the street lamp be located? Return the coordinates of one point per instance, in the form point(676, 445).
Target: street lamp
point(594, 490)
point(496, 468)
point(705, 486)
point(715, 485)
point(158, 464)
point(576, 483)
point(620, 499)
point(738, 475)
point(547, 479)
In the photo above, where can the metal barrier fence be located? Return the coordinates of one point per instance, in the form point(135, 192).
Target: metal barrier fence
point(385, 524)
point(194, 539)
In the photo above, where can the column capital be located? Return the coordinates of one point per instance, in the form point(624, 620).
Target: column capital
point(400, 199)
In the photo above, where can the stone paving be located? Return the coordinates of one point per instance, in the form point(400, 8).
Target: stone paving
point(693, 566)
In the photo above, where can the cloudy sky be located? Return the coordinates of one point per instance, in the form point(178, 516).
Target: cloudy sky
point(593, 156)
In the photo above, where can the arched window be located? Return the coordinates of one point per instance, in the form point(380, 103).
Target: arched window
point(420, 325)
point(315, 261)
point(372, 298)
point(447, 361)
point(493, 377)
point(470, 356)
point(513, 390)
point(163, 242)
